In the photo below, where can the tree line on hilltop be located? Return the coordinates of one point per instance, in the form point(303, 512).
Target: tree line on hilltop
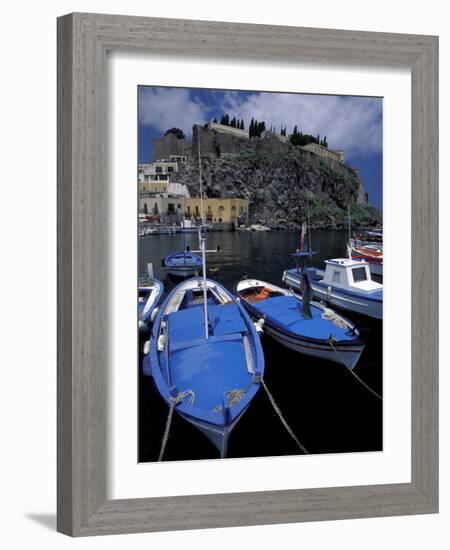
point(257, 128)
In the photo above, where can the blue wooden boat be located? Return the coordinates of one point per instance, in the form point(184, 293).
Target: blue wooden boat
point(345, 283)
point(205, 357)
point(183, 264)
point(308, 328)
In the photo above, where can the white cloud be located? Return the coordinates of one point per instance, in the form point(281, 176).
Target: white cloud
point(350, 123)
point(166, 108)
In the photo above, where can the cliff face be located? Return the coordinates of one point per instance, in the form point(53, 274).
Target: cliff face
point(279, 183)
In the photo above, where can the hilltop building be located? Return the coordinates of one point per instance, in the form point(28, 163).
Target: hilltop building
point(324, 152)
point(224, 129)
point(171, 146)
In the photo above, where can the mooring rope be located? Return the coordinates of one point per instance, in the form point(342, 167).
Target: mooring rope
point(174, 401)
point(281, 417)
point(330, 341)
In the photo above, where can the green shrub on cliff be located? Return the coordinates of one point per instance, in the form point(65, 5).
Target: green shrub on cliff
point(365, 215)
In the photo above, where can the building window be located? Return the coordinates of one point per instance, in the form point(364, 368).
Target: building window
point(159, 169)
point(178, 206)
point(170, 208)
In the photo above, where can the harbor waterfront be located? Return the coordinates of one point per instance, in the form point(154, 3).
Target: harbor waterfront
point(329, 410)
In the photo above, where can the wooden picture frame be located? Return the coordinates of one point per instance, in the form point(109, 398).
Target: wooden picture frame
point(83, 41)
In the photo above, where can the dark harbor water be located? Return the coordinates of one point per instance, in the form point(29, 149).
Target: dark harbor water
point(327, 408)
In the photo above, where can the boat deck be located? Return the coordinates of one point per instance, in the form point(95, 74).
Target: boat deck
point(208, 367)
point(286, 312)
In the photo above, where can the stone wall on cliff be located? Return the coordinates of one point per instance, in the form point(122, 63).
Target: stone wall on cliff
point(279, 181)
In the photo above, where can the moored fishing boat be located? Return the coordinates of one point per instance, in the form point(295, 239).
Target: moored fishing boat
point(345, 283)
point(183, 264)
point(372, 253)
point(205, 357)
point(149, 294)
point(306, 327)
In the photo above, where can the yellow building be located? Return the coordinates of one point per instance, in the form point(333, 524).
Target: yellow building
point(325, 152)
point(154, 186)
point(218, 210)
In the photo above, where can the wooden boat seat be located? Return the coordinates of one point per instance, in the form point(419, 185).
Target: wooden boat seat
point(186, 344)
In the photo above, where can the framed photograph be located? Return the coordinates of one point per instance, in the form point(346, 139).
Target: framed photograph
point(228, 216)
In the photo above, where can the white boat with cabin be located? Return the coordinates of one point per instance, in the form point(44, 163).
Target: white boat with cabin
point(345, 283)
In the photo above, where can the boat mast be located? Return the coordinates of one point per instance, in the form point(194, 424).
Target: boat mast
point(201, 240)
point(349, 246)
point(200, 173)
point(309, 221)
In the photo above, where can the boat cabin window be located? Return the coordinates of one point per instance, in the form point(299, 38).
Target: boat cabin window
point(336, 276)
point(359, 274)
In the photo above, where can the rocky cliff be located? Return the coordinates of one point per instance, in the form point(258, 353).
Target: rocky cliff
point(279, 183)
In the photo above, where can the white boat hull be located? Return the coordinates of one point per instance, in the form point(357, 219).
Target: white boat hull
point(183, 272)
point(345, 355)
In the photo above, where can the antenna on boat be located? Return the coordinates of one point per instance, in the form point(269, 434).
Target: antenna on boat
point(200, 173)
point(309, 221)
point(349, 249)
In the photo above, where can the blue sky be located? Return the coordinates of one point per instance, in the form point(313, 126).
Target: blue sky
point(353, 124)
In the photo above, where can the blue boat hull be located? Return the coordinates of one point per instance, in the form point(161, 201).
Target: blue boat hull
point(281, 318)
point(214, 380)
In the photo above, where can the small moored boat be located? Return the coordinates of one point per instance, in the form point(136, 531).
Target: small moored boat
point(183, 264)
point(370, 252)
point(308, 328)
point(345, 283)
point(206, 360)
point(150, 292)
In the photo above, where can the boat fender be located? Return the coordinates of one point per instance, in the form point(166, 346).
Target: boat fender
point(260, 324)
point(329, 292)
point(161, 342)
point(153, 315)
point(146, 347)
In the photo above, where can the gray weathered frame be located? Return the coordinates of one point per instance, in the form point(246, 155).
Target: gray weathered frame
point(83, 41)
